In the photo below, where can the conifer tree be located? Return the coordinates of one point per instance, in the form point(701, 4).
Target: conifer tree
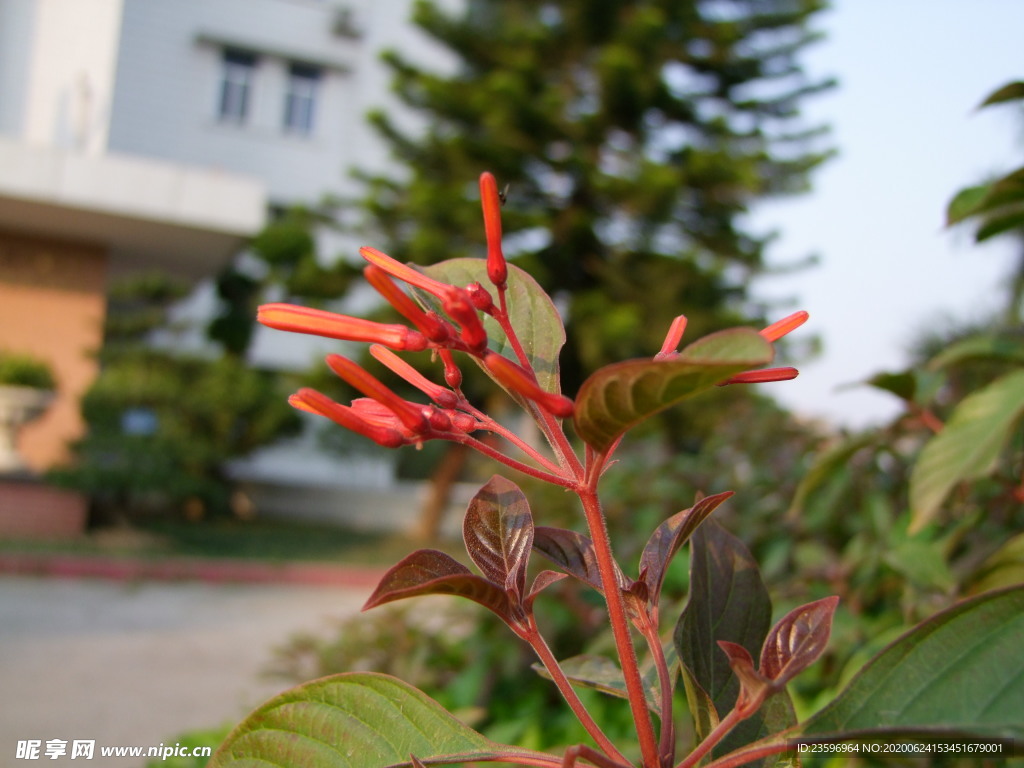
point(633, 135)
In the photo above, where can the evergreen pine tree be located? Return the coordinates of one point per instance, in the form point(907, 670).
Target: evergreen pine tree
point(633, 135)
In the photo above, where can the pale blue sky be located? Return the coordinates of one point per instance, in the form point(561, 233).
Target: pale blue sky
point(911, 74)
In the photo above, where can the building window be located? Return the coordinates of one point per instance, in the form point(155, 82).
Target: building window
point(300, 98)
point(237, 77)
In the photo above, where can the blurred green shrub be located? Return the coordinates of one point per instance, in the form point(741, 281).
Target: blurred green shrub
point(20, 370)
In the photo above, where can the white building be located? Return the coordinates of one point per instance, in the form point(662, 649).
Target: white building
point(241, 105)
point(277, 89)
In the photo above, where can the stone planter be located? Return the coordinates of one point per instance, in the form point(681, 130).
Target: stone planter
point(18, 406)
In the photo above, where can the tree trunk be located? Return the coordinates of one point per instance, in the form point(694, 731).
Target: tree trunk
point(446, 474)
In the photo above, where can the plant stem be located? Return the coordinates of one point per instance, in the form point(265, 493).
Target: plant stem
point(490, 425)
point(519, 466)
point(724, 726)
point(549, 424)
point(667, 744)
point(547, 658)
point(749, 753)
point(619, 623)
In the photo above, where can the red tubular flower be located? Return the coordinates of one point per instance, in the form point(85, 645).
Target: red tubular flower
point(410, 414)
point(457, 304)
point(762, 376)
point(318, 322)
point(672, 338)
point(311, 401)
point(518, 380)
point(430, 326)
point(443, 397)
point(404, 272)
point(780, 328)
point(497, 269)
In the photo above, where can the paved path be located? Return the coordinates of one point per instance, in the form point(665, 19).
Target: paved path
point(138, 663)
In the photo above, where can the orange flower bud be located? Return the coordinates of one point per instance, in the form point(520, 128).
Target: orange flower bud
point(311, 401)
point(780, 328)
point(410, 414)
point(429, 325)
point(762, 376)
point(518, 380)
point(443, 397)
point(497, 269)
point(403, 272)
point(318, 322)
point(672, 338)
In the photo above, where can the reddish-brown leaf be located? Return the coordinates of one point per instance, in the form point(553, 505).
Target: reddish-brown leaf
point(753, 686)
point(669, 537)
point(797, 640)
point(543, 580)
point(429, 572)
point(498, 531)
point(574, 553)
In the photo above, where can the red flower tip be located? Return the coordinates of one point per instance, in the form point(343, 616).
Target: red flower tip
point(516, 379)
point(762, 376)
point(443, 397)
point(403, 272)
point(318, 322)
point(410, 414)
point(780, 328)
point(457, 304)
point(480, 297)
point(672, 338)
point(452, 373)
point(490, 200)
point(311, 401)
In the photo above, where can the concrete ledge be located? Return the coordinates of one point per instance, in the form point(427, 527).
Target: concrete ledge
point(160, 214)
point(186, 569)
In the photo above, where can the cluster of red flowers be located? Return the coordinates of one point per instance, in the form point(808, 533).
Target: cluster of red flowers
point(382, 415)
point(390, 420)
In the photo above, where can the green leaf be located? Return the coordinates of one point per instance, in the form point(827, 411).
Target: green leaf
point(983, 347)
point(531, 313)
point(1009, 92)
point(967, 447)
point(728, 601)
point(702, 709)
point(605, 675)
point(921, 562)
point(1003, 568)
point(825, 466)
point(602, 674)
point(353, 720)
point(620, 396)
point(1000, 222)
point(914, 386)
point(498, 531)
point(965, 203)
point(961, 672)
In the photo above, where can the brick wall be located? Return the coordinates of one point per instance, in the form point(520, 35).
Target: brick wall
point(52, 303)
point(31, 510)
